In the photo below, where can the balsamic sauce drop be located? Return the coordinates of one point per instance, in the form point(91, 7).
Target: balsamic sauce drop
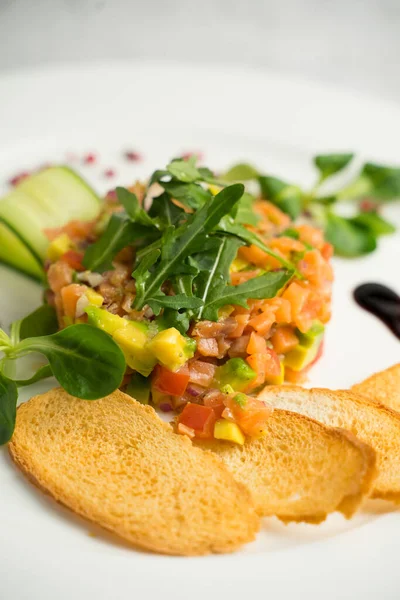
point(382, 302)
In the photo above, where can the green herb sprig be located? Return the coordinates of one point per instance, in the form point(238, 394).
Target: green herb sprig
point(85, 361)
point(350, 236)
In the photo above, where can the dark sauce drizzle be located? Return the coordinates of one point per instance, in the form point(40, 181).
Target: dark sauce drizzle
point(382, 302)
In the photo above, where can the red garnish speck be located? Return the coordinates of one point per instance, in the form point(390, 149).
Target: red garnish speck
point(18, 178)
point(198, 155)
point(109, 173)
point(133, 156)
point(90, 159)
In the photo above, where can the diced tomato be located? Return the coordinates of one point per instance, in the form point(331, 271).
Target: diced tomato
point(257, 344)
point(70, 296)
point(201, 372)
point(267, 366)
point(284, 339)
point(74, 260)
point(59, 275)
point(199, 418)
point(251, 416)
point(170, 382)
point(215, 400)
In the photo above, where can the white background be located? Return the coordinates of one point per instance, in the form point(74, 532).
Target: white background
point(354, 43)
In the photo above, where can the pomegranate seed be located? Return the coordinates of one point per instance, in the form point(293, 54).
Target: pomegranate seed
point(18, 178)
point(198, 155)
point(133, 156)
point(89, 159)
point(368, 205)
point(111, 195)
point(109, 173)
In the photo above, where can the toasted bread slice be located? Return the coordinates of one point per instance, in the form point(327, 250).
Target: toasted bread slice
point(301, 470)
point(383, 387)
point(116, 463)
point(373, 423)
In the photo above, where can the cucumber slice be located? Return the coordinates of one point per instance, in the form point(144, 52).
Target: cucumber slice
point(45, 200)
point(14, 252)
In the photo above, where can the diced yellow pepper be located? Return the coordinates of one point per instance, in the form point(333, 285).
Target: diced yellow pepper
point(214, 189)
point(170, 348)
point(59, 246)
point(238, 264)
point(94, 298)
point(225, 430)
point(279, 379)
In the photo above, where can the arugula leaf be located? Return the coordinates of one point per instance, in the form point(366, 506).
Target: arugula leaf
point(348, 238)
point(241, 172)
point(329, 164)
point(218, 272)
point(119, 233)
point(184, 170)
point(190, 194)
point(166, 211)
point(42, 321)
point(287, 197)
point(132, 207)
point(227, 225)
point(176, 302)
point(374, 223)
point(179, 244)
point(264, 286)
point(8, 408)
point(85, 360)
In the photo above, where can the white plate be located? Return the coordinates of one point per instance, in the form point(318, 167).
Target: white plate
point(162, 110)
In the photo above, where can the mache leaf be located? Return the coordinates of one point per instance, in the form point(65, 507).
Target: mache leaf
point(287, 197)
point(347, 237)
point(329, 164)
point(42, 321)
point(8, 408)
point(241, 172)
point(374, 223)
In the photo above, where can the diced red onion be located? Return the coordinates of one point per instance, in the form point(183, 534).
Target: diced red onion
point(165, 407)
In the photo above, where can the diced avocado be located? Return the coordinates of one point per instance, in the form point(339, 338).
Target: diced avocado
point(315, 332)
point(236, 373)
point(278, 379)
point(240, 399)
point(301, 356)
point(225, 430)
point(139, 388)
point(133, 340)
point(101, 318)
point(59, 246)
point(95, 299)
point(171, 348)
